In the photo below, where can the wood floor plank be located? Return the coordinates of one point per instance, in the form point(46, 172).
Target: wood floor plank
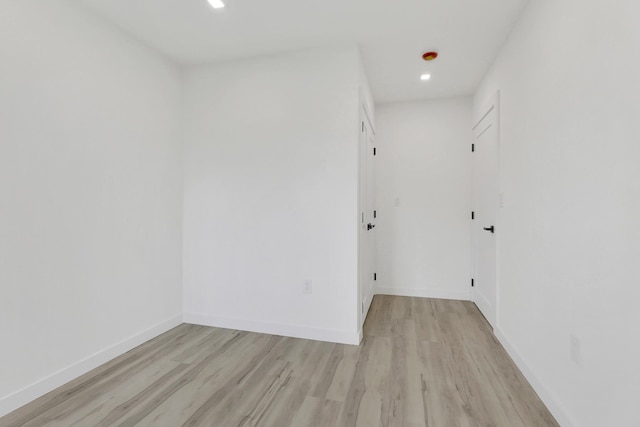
point(426, 322)
point(316, 412)
point(342, 378)
point(187, 399)
point(239, 370)
point(423, 362)
point(356, 387)
point(328, 372)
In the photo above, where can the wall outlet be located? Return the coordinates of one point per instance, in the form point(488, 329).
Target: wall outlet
point(574, 349)
point(308, 287)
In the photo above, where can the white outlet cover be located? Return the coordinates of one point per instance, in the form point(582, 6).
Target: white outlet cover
point(308, 287)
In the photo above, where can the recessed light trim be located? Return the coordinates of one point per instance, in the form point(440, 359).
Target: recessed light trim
point(430, 56)
point(425, 77)
point(216, 4)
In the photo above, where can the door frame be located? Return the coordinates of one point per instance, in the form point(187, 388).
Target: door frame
point(492, 104)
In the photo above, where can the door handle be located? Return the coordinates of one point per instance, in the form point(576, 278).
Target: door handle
point(492, 229)
point(370, 226)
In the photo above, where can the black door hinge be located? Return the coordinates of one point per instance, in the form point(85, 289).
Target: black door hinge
point(472, 283)
point(473, 215)
point(374, 151)
point(375, 276)
point(473, 148)
point(375, 214)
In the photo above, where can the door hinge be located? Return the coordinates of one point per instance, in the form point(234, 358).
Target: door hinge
point(362, 126)
point(473, 215)
point(374, 151)
point(375, 214)
point(375, 276)
point(473, 148)
point(472, 283)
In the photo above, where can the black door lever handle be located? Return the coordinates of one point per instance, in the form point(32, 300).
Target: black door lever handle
point(492, 229)
point(370, 226)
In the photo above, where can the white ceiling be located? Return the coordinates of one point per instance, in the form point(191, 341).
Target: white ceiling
point(392, 35)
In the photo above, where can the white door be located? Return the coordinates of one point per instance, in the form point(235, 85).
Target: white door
point(367, 232)
point(485, 206)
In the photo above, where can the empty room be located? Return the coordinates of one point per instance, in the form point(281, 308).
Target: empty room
point(319, 213)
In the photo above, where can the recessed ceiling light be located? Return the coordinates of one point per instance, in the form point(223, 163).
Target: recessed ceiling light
point(216, 4)
point(430, 56)
point(425, 77)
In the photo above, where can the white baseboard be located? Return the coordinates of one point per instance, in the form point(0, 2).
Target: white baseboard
point(367, 304)
point(547, 398)
point(39, 388)
point(274, 328)
point(424, 293)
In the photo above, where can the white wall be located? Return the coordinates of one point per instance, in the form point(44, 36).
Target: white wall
point(569, 231)
point(90, 194)
point(271, 194)
point(423, 191)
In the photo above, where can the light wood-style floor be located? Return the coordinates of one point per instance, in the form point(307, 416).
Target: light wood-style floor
point(423, 362)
